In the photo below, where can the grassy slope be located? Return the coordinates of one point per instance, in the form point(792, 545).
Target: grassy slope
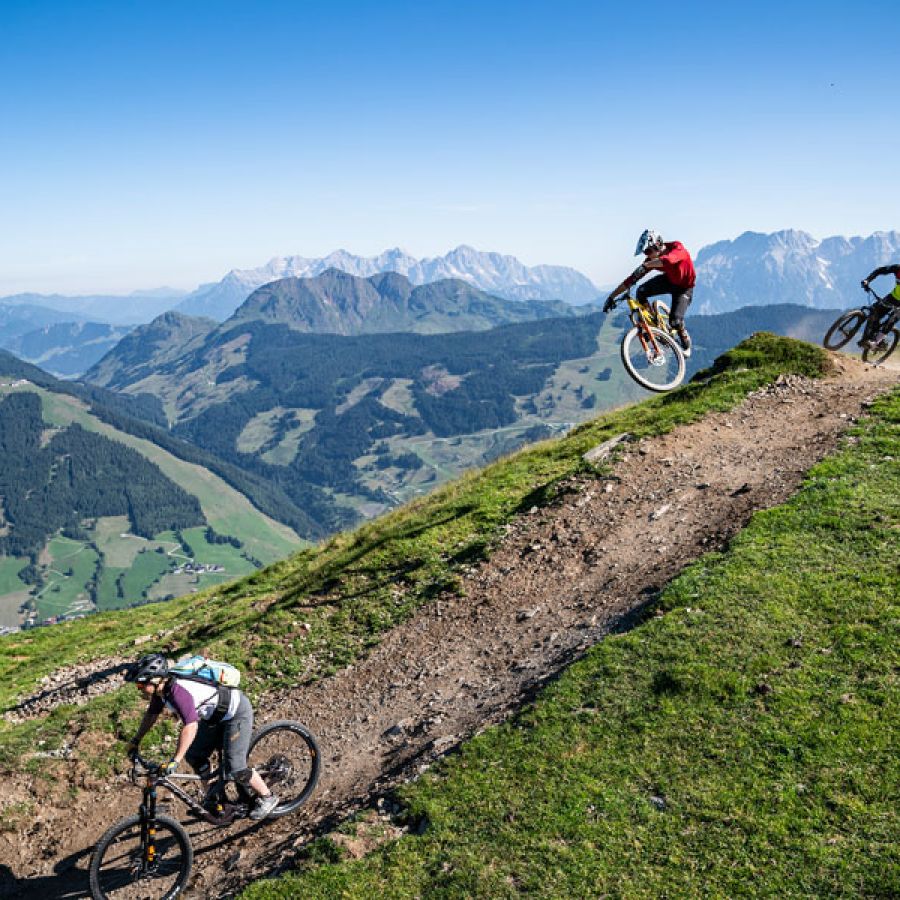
point(740, 743)
point(357, 585)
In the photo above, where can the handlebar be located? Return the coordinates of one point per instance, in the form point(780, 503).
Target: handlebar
point(868, 289)
point(141, 766)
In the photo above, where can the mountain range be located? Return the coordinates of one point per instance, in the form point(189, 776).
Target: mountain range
point(331, 303)
point(115, 309)
point(789, 267)
point(751, 270)
point(493, 273)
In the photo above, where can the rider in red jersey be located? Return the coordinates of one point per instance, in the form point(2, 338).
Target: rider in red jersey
point(677, 279)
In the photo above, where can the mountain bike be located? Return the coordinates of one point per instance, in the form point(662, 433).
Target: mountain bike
point(651, 353)
point(149, 856)
point(846, 326)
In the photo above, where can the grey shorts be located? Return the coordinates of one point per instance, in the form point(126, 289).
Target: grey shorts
point(231, 737)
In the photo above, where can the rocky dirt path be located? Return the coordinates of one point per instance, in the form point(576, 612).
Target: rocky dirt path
point(565, 576)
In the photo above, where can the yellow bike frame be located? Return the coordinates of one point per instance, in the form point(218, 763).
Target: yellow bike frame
point(645, 317)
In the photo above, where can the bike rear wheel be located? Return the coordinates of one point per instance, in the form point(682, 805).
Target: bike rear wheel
point(843, 329)
point(877, 355)
point(118, 868)
point(287, 757)
point(658, 368)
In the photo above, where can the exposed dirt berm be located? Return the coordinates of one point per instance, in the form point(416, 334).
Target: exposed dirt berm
point(564, 576)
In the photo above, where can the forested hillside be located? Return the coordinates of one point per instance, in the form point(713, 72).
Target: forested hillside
point(51, 485)
point(94, 517)
point(141, 415)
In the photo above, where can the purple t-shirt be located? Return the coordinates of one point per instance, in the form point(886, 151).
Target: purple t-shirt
point(179, 700)
point(194, 700)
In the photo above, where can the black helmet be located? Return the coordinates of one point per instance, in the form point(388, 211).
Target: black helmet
point(153, 665)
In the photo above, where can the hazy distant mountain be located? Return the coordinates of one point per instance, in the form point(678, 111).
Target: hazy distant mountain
point(790, 267)
point(19, 318)
point(66, 349)
point(126, 309)
point(494, 273)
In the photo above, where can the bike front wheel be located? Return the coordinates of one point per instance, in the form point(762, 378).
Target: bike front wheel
point(657, 364)
point(124, 868)
point(877, 355)
point(287, 757)
point(843, 329)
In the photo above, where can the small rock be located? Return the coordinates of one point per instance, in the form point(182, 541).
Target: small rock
point(601, 451)
point(396, 730)
point(524, 614)
point(658, 802)
point(443, 744)
point(660, 512)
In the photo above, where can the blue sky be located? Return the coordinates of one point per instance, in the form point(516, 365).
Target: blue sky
point(150, 143)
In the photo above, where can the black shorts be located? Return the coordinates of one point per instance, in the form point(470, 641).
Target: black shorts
point(231, 738)
point(681, 297)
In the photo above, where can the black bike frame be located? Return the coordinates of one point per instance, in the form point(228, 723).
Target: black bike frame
point(887, 306)
point(230, 812)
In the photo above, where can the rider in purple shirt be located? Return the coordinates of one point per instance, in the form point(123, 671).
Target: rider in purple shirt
point(212, 718)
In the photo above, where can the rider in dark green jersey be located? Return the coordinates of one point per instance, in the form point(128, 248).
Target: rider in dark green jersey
point(886, 312)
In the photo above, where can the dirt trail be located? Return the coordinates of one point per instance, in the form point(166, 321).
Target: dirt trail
point(563, 578)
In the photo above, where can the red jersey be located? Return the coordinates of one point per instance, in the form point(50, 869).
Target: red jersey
point(678, 265)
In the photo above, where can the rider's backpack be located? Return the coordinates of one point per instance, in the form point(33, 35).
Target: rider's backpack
point(199, 668)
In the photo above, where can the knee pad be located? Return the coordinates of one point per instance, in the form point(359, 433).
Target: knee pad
point(242, 777)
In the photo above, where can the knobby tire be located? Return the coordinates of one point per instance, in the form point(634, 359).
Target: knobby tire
point(843, 329)
point(671, 355)
point(877, 355)
point(113, 872)
point(287, 757)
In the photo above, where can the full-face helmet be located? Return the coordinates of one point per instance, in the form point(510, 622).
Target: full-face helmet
point(649, 240)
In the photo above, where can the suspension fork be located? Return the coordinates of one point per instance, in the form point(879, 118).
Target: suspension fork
point(647, 338)
point(639, 318)
point(148, 828)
